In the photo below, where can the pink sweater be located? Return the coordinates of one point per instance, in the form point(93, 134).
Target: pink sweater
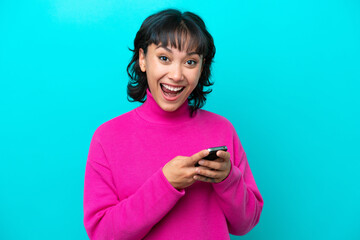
point(127, 196)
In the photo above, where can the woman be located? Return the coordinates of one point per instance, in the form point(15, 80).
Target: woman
point(145, 176)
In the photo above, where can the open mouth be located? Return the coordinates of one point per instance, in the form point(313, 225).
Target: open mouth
point(171, 91)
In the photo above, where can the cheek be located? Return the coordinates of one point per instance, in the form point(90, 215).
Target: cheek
point(151, 75)
point(195, 85)
point(155, 72)
point(196, 78)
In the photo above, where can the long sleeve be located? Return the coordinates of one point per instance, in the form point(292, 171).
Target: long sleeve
point(238, 194)
point(108, 217)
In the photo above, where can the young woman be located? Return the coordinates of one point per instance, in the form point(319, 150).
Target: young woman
point(146, 176)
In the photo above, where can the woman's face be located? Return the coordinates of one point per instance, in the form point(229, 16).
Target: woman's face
point(171, 74)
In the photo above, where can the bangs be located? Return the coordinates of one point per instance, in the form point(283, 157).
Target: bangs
point(181, 35)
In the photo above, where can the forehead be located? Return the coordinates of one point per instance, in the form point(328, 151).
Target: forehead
point(173, 49)
point(181, 41)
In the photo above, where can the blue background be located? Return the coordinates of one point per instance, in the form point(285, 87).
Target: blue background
point(286, 75)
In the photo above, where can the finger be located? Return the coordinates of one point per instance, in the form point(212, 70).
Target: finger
point(206, 172)
point(224, 155)
point(224, 163)
point(199, 155)
point(217, 164)
point(205, 179)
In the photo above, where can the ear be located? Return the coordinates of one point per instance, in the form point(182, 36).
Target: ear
point(142, 60)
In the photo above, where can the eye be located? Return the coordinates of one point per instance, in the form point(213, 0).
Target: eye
point(191, 62)
point(164, 58)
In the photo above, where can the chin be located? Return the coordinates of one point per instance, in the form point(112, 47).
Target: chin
point(168, 108)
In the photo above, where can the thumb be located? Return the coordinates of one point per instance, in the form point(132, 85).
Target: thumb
point(198, 156)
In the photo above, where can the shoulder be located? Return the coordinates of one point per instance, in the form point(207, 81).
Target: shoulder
point(214, 119)
point(115, 125)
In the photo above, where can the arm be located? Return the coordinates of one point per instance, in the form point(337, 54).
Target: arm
point(238, 194)
point(108, 217)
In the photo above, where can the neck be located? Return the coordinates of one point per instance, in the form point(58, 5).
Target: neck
point(152, 112)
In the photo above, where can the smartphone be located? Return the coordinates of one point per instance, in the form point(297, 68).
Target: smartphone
point(212, 153)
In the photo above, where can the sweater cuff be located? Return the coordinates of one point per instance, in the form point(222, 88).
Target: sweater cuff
point(179, 193)
point(234, 176)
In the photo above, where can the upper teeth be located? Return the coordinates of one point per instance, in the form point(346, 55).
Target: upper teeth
point(172, 88)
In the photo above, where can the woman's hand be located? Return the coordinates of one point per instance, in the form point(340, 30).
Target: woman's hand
point(214, 171)
point(180, 171)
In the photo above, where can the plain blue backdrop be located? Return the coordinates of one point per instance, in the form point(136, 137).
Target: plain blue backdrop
point(286, 75)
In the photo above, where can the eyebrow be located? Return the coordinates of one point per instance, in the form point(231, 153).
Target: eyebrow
point(169, 50)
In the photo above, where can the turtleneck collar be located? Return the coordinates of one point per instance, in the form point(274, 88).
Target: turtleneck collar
point(152, 112)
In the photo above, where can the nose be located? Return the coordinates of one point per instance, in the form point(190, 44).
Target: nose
point(176, 73)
